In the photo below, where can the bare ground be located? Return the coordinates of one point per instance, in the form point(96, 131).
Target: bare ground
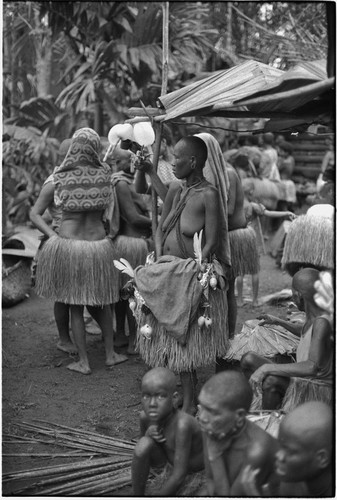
point(37, 385)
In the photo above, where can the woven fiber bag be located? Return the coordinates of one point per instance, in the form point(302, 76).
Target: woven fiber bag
point(16, 282)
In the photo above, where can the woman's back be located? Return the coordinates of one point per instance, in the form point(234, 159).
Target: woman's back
point(82, 225)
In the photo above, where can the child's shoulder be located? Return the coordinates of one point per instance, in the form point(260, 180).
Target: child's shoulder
point(185, 421)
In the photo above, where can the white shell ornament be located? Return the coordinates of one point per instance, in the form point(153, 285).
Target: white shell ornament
point(213, 282)
point(201, 321)
point(132, 305)
point(146, 330)
point(113, 136)
point(143, 133)
point(125, 131)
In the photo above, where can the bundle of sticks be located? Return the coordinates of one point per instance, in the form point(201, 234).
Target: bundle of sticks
point(107, 469)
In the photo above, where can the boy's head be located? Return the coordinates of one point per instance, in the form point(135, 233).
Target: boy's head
point(268, 138)
point(123, 159)
point(285, 148)
point(303, 286)
point(305, 438)
point(158, 393)
point(224, 401)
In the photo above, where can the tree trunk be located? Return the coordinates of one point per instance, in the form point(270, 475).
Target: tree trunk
point(98, 117)
point(12, 66)
point(43, 48)
point(229, 27)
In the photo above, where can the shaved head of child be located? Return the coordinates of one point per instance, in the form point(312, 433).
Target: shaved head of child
point(305, 438)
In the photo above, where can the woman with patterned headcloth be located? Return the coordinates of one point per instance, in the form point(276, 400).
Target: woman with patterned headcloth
point(188, 332)
point(76, 265)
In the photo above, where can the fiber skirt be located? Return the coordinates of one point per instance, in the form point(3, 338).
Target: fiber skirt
point(191, 486)
point(299, 391)
point(244, 252)
point(134, 250)
point(203, 344)
point(78, 272)
point(309, 242)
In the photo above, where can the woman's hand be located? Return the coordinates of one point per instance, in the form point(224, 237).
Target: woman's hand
point(143, 165)
point(268, 319)
point(258, 377)
point(290, 216)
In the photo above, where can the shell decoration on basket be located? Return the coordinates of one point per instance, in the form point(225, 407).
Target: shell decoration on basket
point(209, 277)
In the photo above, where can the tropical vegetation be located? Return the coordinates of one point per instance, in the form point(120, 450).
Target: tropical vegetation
point(70, 64)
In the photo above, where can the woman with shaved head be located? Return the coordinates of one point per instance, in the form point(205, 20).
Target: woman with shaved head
point(310, 378)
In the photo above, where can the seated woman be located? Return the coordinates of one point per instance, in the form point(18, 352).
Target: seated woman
point(286, 386)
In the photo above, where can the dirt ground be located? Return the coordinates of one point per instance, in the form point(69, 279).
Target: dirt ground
point(37, 385)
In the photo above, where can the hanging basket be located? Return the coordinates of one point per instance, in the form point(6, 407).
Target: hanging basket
point(16, 282)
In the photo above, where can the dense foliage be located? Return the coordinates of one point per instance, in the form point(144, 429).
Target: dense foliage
point(69, 64)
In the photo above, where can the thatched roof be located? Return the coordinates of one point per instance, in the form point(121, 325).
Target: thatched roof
point(302, 95)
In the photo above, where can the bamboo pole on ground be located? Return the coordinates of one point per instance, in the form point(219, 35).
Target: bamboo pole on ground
point(159, 126)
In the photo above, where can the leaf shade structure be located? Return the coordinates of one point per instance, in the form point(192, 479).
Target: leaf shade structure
point(255, 89)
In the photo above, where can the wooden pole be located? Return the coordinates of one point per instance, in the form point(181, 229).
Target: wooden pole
point(159, 126)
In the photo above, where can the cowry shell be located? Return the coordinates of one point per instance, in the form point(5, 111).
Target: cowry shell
point(143, 133)
point(208, 322)
point(146, 330)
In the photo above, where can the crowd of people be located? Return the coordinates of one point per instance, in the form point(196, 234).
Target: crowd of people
point(178, 309)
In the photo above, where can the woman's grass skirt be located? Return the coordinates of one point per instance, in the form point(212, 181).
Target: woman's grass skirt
point(244, 252)
point(203, 344)
point(78, 271)
point(191, 486)
point(300, 390)
point(134, 250)
point(309, 242)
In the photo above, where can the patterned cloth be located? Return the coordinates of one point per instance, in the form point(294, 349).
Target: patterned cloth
point(82, 181)
point(165, 172)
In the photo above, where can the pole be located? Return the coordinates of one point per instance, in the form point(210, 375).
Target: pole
point(159, 126)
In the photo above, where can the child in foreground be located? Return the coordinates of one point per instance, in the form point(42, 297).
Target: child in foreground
point(231, 441)
point(304, 460)
point(168, 436)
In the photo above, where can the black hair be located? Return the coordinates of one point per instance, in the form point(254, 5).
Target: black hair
point(167, 134)
point(286, 146)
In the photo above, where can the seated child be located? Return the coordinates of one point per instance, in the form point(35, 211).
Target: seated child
point(231, 441)
point(310, 378)
point(168, 435)
point(252, 211)
point(304, 460)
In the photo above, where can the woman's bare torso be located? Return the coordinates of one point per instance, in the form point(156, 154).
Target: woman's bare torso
point(82, 226)
point(192, 220)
